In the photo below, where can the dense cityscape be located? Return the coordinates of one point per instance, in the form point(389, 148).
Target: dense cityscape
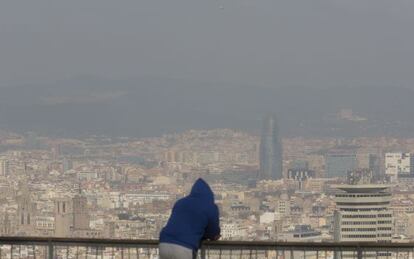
point(207, 129)
point(266, 187)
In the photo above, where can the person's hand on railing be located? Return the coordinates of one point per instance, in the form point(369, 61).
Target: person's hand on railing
point(216, 238)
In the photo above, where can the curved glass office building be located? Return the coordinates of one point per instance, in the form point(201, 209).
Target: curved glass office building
point(270, 151)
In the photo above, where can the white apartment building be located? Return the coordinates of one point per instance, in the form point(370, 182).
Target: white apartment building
point(397, 164)
point(363, 214)
point(232, 230)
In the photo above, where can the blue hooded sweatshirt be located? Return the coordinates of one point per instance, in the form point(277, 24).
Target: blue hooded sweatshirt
point(193, 218)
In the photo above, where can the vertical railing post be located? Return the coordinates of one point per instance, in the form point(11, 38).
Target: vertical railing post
point(359, 252)
point(203, 252)
point(50, 250)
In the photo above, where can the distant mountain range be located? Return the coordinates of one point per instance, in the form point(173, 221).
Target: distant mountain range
point(151, 106)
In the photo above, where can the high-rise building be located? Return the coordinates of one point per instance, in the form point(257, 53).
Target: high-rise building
point(4, 167)
point(270, 151)
point(67, 164)
point(363, 213)
point(339, 161)
point(299, 164)
point(374, 164)
point(398, 164)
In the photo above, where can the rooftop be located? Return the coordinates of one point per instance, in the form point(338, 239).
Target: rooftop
point(362, 188)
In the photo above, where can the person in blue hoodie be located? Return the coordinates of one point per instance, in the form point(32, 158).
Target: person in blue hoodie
point(193, 218)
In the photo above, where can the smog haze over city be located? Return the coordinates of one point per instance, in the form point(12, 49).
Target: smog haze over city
point(297, 113)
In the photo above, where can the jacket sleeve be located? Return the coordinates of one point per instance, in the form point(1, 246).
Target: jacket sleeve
point(213, 227)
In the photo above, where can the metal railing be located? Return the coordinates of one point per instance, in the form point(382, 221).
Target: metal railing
point(48, 248)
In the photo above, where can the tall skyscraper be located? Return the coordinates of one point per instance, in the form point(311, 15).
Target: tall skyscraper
point(374, 164)
point(339, 162)
point(270, 151)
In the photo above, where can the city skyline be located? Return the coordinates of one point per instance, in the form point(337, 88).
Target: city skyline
point(295, 118)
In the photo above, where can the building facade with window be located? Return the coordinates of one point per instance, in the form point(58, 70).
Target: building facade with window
point(363, 214)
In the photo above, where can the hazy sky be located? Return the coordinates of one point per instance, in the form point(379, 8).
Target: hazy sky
point(269, 42)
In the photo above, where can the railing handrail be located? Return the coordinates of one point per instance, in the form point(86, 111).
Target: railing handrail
point(223, 244)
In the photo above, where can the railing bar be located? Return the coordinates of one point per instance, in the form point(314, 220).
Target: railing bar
point(28, 248)
point(128, 242)
point(50, 251)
